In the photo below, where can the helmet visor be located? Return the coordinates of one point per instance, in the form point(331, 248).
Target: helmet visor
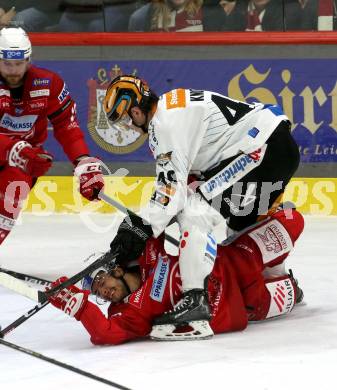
point(125, 124)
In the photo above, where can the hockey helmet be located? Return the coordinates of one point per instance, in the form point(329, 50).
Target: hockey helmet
point(14, 44)
point(88, 280)
point(126, 92)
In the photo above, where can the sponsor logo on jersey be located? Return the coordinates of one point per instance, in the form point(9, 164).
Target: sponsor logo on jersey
point(37, 104)
point(64, 93)
point(39, 92)
point(136, 298)
point(282, 297)
point(215, 289)
point(153, 141)
point(272, 239)
point(40, 82)
point(176, 99)
point(18, 123)
point(232, 173)
point(13, 54)
point(165, 188)
point(164, 158)
point(160, 278)
point(168, 190)
point(4, 92)
point(160, 199)
point(151, 253)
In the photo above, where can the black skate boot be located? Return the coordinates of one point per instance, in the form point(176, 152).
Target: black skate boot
point(298, 291)
point(189, 319)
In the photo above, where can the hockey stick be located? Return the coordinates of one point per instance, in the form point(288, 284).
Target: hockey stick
point(105, 258)
point(26, 277)
point(127, 211)
point(20, 287)
point(63, 365)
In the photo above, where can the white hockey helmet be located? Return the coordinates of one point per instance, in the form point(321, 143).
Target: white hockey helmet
point(14, 44)
point(88, 281)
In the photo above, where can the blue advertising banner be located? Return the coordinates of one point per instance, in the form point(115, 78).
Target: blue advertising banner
point(305, 88)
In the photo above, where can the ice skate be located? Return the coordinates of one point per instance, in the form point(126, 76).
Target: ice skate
point(189, 320)
point(298, 291)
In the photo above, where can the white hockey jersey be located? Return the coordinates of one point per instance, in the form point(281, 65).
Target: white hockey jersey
point(192, 131)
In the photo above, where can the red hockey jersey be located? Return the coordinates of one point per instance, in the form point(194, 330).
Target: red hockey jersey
point(232, 299)
point(44, 97)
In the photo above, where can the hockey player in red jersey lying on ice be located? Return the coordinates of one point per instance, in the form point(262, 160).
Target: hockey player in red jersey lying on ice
point(248, 283)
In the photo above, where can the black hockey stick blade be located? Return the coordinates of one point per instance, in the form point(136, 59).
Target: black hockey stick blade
point(22, 319)
point(127, 211)
point(104, 259)
point(26, 277)
point(63, 365)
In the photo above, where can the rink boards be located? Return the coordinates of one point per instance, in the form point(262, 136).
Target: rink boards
point(314, 196)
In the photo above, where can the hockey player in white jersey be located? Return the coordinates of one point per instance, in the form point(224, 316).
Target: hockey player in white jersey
point(240, 155)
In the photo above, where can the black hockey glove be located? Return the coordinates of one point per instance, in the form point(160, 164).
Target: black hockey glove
point(131, 239)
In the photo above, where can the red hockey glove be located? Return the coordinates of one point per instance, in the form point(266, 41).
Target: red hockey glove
point(35, 161)
point(89, 172)
point(71, 300)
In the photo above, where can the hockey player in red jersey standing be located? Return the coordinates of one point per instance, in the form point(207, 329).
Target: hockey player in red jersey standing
point(29, 97)
point(248, 283)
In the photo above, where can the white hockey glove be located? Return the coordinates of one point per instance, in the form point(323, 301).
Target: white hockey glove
point(71, 300)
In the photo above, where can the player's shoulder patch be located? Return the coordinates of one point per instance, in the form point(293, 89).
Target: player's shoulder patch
point(176, 99)
point(272, 239)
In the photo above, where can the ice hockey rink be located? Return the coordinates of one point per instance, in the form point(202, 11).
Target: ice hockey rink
point(295, 352)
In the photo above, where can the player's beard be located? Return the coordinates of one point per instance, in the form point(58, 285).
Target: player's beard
point(119, 293)
point(14, 81)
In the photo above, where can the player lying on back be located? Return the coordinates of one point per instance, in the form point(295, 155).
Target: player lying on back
point(248, 283)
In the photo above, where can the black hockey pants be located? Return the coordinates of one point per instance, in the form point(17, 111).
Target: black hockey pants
point(242, 203)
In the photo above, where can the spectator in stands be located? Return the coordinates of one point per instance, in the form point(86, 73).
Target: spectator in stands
point(97, 15)
point(81, 15)
point(177, 15)
point(317, 14)
point(37, 17)
point(117, 13)
point(252, 15)
point(234, 16)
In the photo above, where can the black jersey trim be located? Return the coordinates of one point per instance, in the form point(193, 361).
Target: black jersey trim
point(60, 110)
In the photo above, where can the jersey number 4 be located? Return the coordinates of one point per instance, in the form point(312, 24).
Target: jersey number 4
point(232, 110)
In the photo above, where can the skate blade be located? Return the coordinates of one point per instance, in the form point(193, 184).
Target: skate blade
point(195, 330)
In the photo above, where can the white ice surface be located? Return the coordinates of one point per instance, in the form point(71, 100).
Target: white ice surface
point(295, 352)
